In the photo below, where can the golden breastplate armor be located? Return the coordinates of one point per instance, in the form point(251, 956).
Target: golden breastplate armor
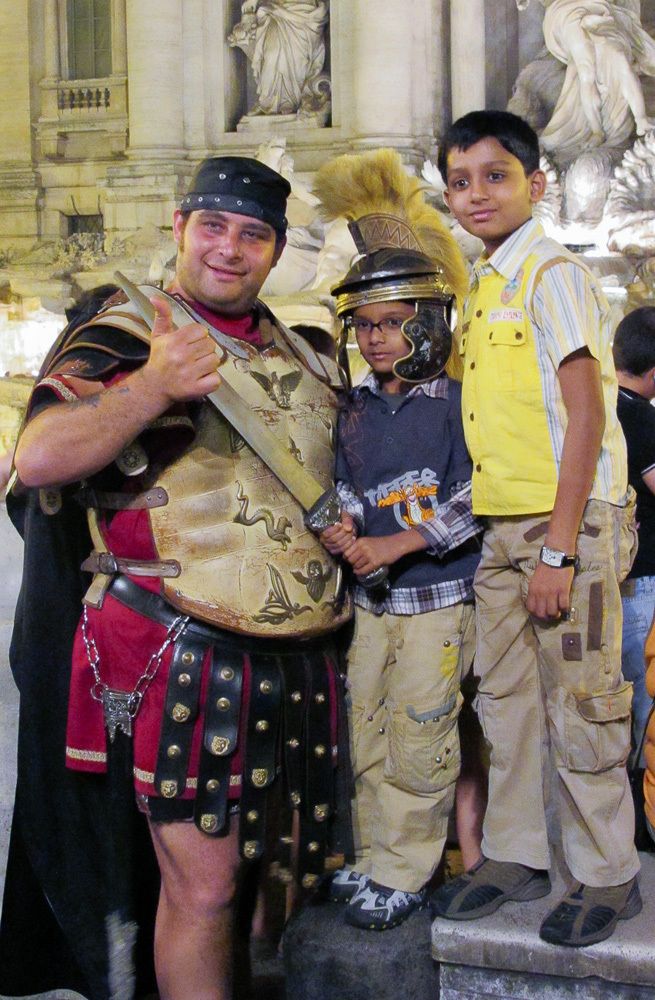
point(247, 562)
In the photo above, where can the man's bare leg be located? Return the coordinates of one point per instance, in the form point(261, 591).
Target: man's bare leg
point(194, 927)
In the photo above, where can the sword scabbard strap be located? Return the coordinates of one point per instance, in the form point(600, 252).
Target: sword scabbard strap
point(98, 587)
point(101, 500)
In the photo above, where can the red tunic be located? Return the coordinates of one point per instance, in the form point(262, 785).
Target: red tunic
point(125, 640)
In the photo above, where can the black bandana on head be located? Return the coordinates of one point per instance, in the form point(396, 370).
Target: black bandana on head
point(241, 185)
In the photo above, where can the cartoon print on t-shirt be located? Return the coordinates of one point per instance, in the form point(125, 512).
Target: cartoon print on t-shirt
point(413, 497)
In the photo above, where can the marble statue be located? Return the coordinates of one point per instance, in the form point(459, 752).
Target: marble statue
point(285, 43)
point(296, 270)
point(630, 208)
point(273, 152)
point(604, 48)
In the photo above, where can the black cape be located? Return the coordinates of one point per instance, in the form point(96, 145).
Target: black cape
point(81, 875)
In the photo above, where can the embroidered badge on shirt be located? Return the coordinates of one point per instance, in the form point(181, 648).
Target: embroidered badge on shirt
point(511, 288)
point(506, 316)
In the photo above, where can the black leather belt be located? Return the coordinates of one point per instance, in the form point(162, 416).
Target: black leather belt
point(152, 605)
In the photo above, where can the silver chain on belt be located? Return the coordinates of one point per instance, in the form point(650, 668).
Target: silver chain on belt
point(120, 707)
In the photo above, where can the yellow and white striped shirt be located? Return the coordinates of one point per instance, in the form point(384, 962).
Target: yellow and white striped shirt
point(534, 295)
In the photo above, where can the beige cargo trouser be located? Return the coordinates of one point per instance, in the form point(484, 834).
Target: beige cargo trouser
point(560, 681)
point(404, 676)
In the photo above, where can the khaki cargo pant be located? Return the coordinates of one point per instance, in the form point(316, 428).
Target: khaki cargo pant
point(562, 682)
point(404, 676)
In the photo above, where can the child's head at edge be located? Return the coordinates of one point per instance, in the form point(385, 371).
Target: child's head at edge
point(489, 161)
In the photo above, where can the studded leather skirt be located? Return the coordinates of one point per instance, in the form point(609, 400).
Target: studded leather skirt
point(224, 718)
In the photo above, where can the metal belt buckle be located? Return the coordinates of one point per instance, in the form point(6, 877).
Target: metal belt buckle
point(116, 710)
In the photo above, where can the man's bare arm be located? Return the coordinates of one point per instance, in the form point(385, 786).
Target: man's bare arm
point(580, 382)
point(69, 441)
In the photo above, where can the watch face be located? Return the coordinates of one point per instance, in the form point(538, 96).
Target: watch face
point(552, 557)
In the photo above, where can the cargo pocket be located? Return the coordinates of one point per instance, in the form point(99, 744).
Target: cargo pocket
point(423, 756)
point(594, 730)
point(628, 538)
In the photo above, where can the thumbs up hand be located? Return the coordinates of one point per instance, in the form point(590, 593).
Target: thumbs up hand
point(183, 362)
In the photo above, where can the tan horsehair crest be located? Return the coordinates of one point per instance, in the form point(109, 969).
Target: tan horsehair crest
point(388, 208)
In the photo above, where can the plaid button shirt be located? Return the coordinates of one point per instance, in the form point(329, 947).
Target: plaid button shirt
point(453, 524)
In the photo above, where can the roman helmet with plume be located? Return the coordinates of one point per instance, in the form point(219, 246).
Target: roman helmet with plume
point(407, 251)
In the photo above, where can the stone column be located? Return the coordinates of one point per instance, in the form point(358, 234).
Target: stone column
point(118, 39)
point(143, 190)
point(467, 56)
point(204, 54)
point(391, 100)
point(502, 52)
point(19, 185)
point(155, 70)
point(51, 40)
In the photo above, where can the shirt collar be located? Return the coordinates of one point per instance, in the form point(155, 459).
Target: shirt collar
point(510, 255)
point(436, 388)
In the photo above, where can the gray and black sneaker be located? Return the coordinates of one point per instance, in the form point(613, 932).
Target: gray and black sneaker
point(344, 883)
point(377, 907)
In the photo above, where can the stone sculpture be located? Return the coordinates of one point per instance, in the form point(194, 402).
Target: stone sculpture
point(284, 41)
point(630, 208)
point(604, 48)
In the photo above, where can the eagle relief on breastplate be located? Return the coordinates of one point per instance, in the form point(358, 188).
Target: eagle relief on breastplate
point(248, 563)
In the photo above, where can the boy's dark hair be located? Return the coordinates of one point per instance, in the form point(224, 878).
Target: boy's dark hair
point(513, 133)
point(634, 341)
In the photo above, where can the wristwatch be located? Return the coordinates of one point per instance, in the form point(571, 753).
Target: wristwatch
point(553, 557)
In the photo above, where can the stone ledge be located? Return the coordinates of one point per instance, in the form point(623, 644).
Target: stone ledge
point(460, 982)
point(508, 940)
point(326, 959)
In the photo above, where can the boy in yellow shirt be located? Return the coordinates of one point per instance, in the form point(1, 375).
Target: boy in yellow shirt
point(549, 473)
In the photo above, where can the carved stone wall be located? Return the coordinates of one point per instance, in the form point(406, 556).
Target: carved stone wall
point(113, 154)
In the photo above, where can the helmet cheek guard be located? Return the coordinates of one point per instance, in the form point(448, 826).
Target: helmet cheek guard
point(430, 339)
point(390, 274)
point(341, 357)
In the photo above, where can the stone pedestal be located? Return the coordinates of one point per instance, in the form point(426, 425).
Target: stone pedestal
point(283, 124)
point(502, 956)
point(326, 959)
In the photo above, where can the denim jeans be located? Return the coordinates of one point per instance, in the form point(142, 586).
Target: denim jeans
point(638, 598)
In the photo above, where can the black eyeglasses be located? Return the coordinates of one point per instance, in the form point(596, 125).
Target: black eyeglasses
point(385, 326)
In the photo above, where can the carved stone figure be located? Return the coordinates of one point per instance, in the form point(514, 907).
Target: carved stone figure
point(296, 270)
point(630, 209)
point(587, 184)
point(285, 43)
point(604, 48)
